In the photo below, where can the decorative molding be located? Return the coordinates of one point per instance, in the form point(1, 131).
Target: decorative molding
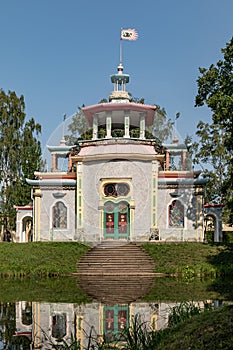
point(59, 195)
point(175, 194)
point(154, 234)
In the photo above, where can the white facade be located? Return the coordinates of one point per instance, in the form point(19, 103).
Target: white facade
point(118, 185)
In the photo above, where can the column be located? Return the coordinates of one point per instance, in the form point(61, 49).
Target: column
point(127, 125)
point(154, 195)
point(36, 214)
point(79, 327)
point(36, 334)
point(95, 127)
point(167, 165)
point(101, 219)
point(142, 125)
point(79, 197)
point(54, 162)
point(217, 213)
point(183, 161)
point(108, 124)
point(132, 211)
point(199, 214)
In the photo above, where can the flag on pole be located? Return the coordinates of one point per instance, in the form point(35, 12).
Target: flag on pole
point(129, 34)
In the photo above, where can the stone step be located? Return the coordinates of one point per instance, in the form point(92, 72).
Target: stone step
point(120, 257)
point(117, 259)
point(115, 289)
point(116, 270)
point(120, 268)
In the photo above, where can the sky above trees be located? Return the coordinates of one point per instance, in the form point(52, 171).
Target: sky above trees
point(60, 54)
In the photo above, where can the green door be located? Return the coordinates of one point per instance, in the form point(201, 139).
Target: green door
point(116, 220)
point(116, 319)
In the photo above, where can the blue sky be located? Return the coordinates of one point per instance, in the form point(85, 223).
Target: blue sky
point(60, 54)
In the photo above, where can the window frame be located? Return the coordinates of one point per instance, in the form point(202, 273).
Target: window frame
point(52, 216)
point(178, 226)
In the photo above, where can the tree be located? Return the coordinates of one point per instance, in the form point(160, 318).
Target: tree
point(215, 90)
point(20, 155)
point(162, 127)
point(78, 128)
point(211, 154)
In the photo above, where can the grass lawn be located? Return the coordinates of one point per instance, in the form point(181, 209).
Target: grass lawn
point(207, 331)
point(188, 259)
point(60, 258)
point(40, 258)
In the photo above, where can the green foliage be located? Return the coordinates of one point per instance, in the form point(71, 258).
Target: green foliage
point(209, 236)
point(162, 127)
point(78, 128)
point(227, 236)
point(184, 288)
point(137, 100)
point(188, 159)
point(20, 155)
point(182, 312)
point(205, 331)
point(215, 89)
point(215, 147)
point(210, 151)
point(54, 290)
point(69, 344)
point(103, 100)
point(139, 336)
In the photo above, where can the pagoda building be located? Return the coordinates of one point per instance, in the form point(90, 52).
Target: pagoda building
point(119, 185)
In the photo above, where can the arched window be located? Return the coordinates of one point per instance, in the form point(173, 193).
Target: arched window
point(59, 326)
point(176, 214)
point(27, 313)
point(59, 215)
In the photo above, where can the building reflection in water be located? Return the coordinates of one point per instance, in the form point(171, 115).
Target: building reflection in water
point(115, 303)
point(53, 322)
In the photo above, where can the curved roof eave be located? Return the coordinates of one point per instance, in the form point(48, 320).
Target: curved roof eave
point(51, 182)
point(60, 148)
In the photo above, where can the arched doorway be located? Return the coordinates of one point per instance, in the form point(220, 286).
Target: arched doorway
point(116, 220)
point(27, 232)
point(213, 221)
point(210, 228)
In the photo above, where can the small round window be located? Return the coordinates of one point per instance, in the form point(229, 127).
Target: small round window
point(110, 190)
point(116, 190)
point(109, 207)
point(122, 189)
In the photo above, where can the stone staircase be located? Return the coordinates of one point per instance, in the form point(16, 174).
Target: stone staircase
point(120, 289)
point(116, 258)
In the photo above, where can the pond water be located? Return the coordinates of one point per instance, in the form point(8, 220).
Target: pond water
point(36, 314)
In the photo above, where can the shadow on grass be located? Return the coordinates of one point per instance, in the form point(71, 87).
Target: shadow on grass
point(223, 263)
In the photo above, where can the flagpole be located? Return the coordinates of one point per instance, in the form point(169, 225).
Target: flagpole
point(120, 50)
point(127, 34)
